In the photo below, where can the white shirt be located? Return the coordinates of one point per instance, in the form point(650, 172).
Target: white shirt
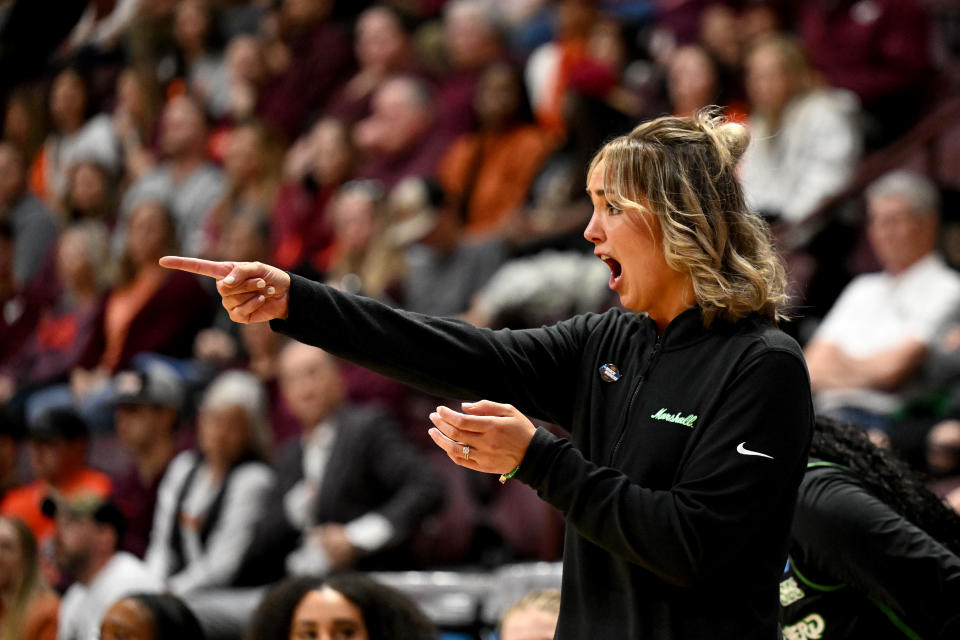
point(878, 311)
point(811, 156)
point(84, 605)
point(367, 533)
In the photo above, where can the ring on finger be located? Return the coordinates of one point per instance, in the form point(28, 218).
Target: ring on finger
point(466, 452)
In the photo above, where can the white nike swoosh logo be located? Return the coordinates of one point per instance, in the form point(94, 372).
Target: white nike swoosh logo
point(747, 452)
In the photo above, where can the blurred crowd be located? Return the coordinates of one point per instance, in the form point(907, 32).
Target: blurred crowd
point(431, 154)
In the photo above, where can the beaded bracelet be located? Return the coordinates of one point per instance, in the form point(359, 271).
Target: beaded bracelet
point(506, 476)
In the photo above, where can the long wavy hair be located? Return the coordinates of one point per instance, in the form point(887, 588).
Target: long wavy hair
point(886, 477)
point(682, 170)
point(26, 585)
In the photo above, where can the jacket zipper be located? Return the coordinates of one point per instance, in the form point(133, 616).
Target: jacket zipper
point(636, 391)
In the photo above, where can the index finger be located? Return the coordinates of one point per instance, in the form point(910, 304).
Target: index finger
point(218, 270)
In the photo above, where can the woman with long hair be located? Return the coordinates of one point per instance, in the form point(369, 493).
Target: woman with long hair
point(211, 497)
point(689, 411)
point(28, 608)
point(873, 553)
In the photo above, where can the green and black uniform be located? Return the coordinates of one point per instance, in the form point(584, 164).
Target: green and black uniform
point(858, 570)
point(679, 483)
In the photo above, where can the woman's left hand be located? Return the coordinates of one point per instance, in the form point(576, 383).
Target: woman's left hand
point(490, 437)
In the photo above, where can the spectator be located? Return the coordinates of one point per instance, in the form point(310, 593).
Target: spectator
point(874, 338)
point(147, 415)
point(204, 69)
point(308, 57)
point(337, 503)
point(315, 168)
point(246, 74)
point(23, 120)
point(694, 82)
point(68, 328)
point(135, 121)
point(252, 173)
point(185, 179)
point(873, 554)
point(57, 444)
point(401, 137)
point(804, 144)
point(211, 498)
point(722, 37)
point(21, 308)
point(31, 222)
point(533, 617)
point(548, 67)
point(76, 136)
point(29, 606)
point(880, 50)
point(90, 194)
point(382, 48)
point(471, 43)
point(88, 534)
point(359, 258)
point(488, 174)
point(149, 616)
point(351, 605)
point(442, 269)
point(148, 311)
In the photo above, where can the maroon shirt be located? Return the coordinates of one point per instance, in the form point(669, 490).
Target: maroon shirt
point(874, 48)
point(137, 501)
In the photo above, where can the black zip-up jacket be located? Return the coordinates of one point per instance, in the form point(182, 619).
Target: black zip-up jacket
point(679, 483)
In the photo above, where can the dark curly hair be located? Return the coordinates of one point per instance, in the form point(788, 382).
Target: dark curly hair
point(170, 617)
point(387, 613)
point(889, 478)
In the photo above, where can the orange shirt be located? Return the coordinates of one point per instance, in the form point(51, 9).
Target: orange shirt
point(122, 307)
point(24, 502)
point(503, 165)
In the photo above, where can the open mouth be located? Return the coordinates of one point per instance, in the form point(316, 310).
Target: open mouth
point(615, 270)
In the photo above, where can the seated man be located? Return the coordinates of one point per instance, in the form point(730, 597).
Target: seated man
point(146, 416)
point(350, 491)
point(876, 335)
point(88, 532)
point(57, 441)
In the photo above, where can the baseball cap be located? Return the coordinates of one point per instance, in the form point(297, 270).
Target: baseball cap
point(98, 508)
point(157, 385)
point(57, 424)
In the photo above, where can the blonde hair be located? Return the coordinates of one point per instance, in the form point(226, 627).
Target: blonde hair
point(545, 600)
point(682, 170)
point(27, 584)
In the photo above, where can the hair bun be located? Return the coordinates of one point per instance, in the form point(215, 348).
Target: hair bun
point(735, 137)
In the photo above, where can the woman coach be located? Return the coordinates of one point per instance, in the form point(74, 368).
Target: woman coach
point(689, 411)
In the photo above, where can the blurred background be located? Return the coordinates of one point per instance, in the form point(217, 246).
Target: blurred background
point(431, 154)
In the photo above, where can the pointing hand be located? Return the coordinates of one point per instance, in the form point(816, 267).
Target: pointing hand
point(250, 291)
